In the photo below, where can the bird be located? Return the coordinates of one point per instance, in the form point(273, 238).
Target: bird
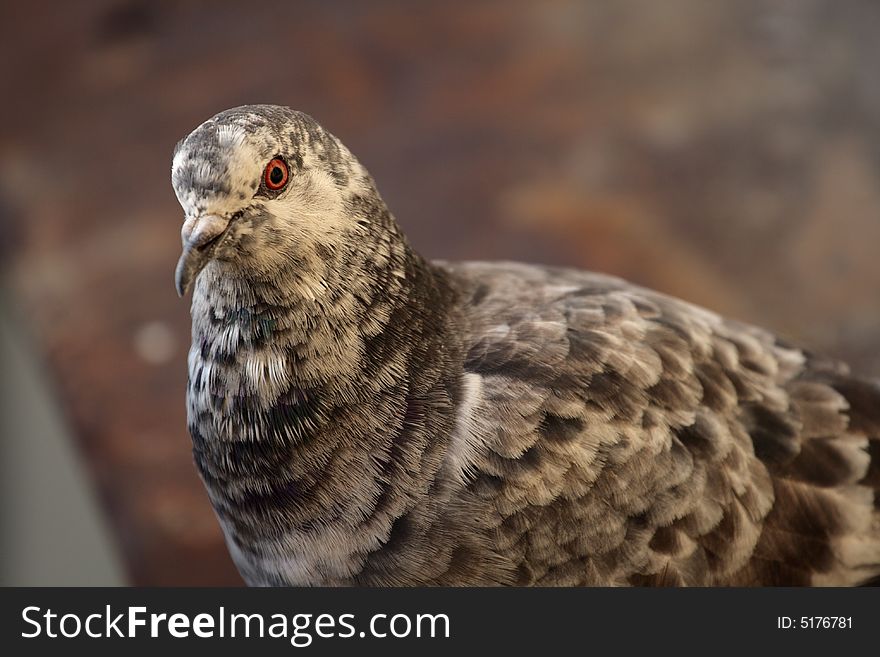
point(362, 416)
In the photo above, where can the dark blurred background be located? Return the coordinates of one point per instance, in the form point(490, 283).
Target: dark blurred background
point(724, 152)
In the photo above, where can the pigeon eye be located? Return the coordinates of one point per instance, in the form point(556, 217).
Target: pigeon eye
point(276, 174)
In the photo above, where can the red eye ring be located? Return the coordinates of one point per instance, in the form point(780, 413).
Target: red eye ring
point(276, 174)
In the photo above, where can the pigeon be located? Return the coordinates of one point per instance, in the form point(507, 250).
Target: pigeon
point(361, 416)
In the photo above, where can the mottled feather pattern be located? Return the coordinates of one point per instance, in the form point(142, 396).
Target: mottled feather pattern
point(361, 416)
point(696, 451)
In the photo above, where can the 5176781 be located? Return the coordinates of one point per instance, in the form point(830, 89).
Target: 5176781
point(814, 622)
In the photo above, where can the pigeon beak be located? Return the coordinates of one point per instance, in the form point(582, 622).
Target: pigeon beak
point(199, 235)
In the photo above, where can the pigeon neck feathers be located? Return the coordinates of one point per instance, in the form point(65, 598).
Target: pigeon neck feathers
point(353, 383)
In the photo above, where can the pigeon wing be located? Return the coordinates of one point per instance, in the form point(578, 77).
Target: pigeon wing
point(638, 439)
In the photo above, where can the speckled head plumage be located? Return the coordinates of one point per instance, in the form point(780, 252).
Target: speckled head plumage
point(233, 213)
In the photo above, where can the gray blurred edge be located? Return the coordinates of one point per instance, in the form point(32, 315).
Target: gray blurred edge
point(51, 530)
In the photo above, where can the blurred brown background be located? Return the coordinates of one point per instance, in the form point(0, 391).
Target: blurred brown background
point(725, 152)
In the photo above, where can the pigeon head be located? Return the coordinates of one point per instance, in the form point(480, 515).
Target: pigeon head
point(260, 184)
